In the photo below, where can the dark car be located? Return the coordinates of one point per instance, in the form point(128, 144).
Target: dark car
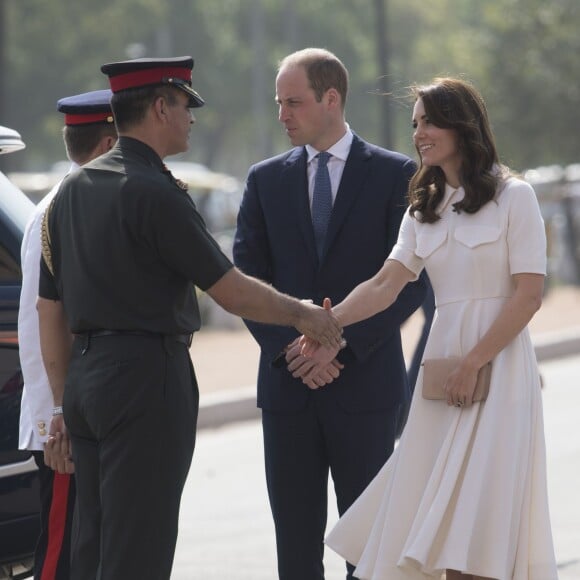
point(19, 487)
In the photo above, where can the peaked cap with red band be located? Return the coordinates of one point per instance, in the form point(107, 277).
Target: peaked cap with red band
point(87, 108)
point(144, 72)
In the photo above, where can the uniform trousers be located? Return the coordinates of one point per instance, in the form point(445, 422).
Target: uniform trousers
point(57, 499)
point(300, 449)
point(130, 405)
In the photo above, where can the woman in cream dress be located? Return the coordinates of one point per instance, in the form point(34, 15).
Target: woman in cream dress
point(465, 491)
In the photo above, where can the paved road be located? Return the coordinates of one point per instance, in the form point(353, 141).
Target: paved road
point(226, 531)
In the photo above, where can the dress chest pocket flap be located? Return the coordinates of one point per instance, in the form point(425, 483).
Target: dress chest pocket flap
point(476, 235)
point(429, 238)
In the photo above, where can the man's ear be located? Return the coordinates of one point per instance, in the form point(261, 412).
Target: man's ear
point(105, 144)
point(333, 97)
point(109, 142)
point(160, 107)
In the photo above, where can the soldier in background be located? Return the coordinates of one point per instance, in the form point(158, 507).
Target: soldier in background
point(89, 131)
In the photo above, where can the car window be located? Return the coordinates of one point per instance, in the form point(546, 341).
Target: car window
point(13, 203)
point(9, 269)
point(15, 208)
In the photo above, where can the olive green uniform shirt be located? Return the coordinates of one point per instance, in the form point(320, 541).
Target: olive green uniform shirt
point(128, 246)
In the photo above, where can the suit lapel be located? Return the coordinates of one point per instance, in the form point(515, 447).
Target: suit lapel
point(353, 178)
point(295, 181)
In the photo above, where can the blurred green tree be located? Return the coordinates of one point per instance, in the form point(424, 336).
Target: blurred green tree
point(522, 55)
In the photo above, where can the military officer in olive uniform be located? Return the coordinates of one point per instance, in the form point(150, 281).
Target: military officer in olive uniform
point(123, 248)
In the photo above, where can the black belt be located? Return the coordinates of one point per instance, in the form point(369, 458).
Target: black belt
point(182, 338)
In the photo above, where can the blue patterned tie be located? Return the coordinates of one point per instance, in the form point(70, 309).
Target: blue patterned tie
point(321, 201)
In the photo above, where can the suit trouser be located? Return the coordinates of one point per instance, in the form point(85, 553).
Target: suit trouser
point(131, 407)
point(57, 498)
point(300, 449)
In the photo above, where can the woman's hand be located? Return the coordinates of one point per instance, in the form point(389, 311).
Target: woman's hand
point(320, 325)
point(512, 318)
point(460, 385)
point(308, 346)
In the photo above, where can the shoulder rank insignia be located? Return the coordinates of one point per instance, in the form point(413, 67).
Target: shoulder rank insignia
point(45, 238)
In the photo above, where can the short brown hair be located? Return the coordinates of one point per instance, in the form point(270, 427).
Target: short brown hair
point(130, 106)
point(81, 140)
point(324, 71)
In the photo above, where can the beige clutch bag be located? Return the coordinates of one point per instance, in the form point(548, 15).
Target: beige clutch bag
point(436, 371)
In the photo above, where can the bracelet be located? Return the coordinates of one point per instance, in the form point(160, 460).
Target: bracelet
point(56, 411)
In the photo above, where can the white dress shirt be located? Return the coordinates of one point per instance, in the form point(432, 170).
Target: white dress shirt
point(339, 152)
point(37, 402)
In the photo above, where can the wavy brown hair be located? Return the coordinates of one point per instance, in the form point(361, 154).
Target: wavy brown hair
point(455, 104)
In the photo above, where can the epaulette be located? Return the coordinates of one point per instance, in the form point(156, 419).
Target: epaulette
point(181, 184)
point(45, 238)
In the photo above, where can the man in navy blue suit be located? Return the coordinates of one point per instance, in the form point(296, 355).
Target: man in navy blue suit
point(338, 415)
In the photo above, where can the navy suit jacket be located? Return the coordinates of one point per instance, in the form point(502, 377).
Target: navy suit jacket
point(275, 242)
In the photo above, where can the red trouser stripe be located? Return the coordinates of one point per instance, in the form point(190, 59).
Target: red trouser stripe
point(56, 525)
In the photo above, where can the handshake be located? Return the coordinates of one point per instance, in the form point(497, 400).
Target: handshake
point(314, 360)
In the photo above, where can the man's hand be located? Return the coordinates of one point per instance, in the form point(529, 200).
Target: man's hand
point(57, 450)
point(309, 344)
point(250, 298)
point(320, 325)
point(295, 360)
point(326, 376)
point(314, 373)
point(307, 367)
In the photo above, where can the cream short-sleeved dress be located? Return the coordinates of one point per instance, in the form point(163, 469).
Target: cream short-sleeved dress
point(466, 488)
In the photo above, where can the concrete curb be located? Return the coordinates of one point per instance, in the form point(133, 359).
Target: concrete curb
point(553, 345)
point(228, 406)
point(218, 409)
